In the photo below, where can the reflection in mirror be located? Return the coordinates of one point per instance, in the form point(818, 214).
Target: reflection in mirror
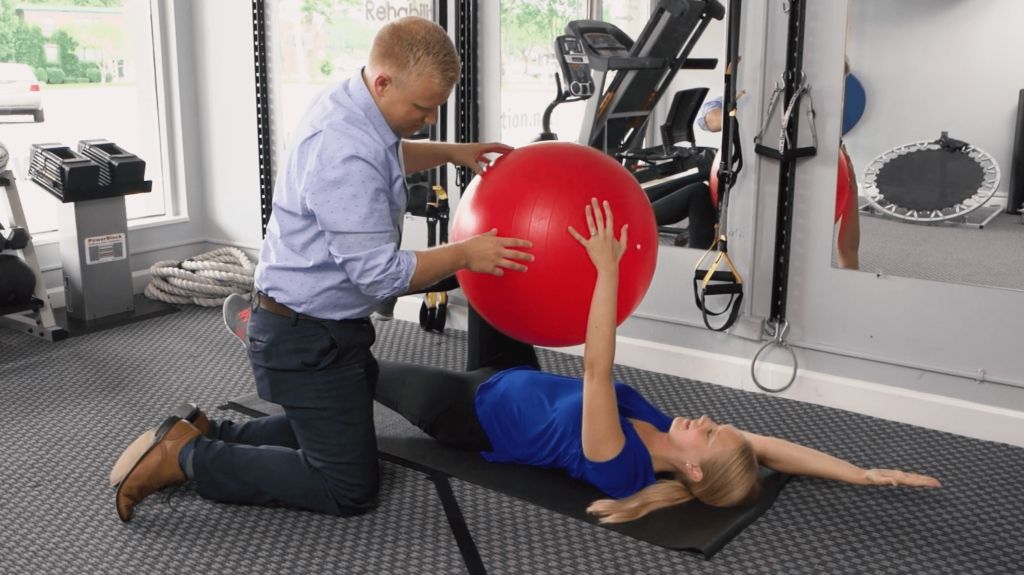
point(528, 67)
point(928, 181)
point(599, 101)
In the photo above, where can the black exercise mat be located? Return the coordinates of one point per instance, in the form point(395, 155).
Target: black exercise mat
point(691, 526)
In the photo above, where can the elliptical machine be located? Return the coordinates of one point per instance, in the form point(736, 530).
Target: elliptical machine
point(579, 84)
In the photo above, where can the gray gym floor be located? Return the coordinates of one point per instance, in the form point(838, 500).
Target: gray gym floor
point(69, 408)
point(990, 256)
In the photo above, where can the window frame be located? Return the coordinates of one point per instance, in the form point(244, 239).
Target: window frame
point(166, 33)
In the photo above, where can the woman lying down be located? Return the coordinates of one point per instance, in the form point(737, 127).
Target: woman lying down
point(600, 431)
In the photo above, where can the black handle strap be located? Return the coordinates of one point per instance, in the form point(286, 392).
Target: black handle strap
point(434, 309)
point(788, 150)
point(733, 307)
point(718, 282)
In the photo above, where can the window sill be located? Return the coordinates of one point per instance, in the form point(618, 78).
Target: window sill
point(53, 237)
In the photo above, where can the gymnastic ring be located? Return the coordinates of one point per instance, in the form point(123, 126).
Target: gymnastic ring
point(757, 355)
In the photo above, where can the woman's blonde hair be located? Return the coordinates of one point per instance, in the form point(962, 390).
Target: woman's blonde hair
point(413, 46)
point(730, 479)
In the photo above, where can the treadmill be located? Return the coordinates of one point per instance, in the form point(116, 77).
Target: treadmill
point(641, 71)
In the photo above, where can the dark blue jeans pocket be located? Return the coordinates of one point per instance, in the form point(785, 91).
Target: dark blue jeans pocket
point(309, 363)
point(274, 343)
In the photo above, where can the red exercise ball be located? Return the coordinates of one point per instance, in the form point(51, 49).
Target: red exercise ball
point(842, 185)
point(536, 192)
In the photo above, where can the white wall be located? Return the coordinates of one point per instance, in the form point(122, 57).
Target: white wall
point(226, 115)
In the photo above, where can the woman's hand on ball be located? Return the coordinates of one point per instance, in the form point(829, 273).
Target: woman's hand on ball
point(604, 250)
point(489, 253)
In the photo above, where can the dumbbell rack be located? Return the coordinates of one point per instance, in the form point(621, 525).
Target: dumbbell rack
point(36, 318)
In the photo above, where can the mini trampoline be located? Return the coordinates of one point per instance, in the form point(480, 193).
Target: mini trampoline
point(937, 181)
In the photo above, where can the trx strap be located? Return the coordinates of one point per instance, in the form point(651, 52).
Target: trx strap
point(434, 309)
point(795, 85)
point(714, 280)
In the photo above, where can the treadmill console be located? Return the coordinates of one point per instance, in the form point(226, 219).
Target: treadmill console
point(575, 66)
point(605, 45)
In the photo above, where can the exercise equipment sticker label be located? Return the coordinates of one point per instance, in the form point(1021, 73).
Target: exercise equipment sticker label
point(108, 248)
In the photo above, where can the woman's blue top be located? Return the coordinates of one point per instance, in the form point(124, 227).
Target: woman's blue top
point(536, 418)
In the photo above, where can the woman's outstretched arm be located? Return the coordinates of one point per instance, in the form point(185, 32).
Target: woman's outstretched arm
point(602, 434)
point(795, 459)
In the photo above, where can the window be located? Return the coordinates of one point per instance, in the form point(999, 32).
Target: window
point(94, 78)
point(629, 15)
point(528, 67)
point(311, 45)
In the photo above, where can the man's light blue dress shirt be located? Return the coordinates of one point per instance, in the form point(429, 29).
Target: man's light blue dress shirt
point(332, 244)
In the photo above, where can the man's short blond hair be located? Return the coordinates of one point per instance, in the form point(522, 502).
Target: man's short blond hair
point(412, 46)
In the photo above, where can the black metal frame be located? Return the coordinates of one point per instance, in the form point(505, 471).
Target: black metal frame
point(439, 131)
point(266, 149)
point(1015, 205)
point(787, 168)
point(467, 111)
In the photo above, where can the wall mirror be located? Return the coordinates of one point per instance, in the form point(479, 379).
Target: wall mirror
point(605, 31)
point(932, 124)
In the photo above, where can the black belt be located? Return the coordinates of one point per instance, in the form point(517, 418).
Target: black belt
point(268, 303)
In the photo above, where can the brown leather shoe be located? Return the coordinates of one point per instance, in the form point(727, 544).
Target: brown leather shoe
point(157, 467)
point(191, 413)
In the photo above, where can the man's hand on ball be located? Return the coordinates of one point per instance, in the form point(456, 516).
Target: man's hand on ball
point(490, 253)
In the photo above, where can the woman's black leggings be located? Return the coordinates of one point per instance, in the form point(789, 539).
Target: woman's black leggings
point(691, 201)
point(438, 401)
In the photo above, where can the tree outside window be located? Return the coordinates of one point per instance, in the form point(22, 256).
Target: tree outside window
point(528, 66)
